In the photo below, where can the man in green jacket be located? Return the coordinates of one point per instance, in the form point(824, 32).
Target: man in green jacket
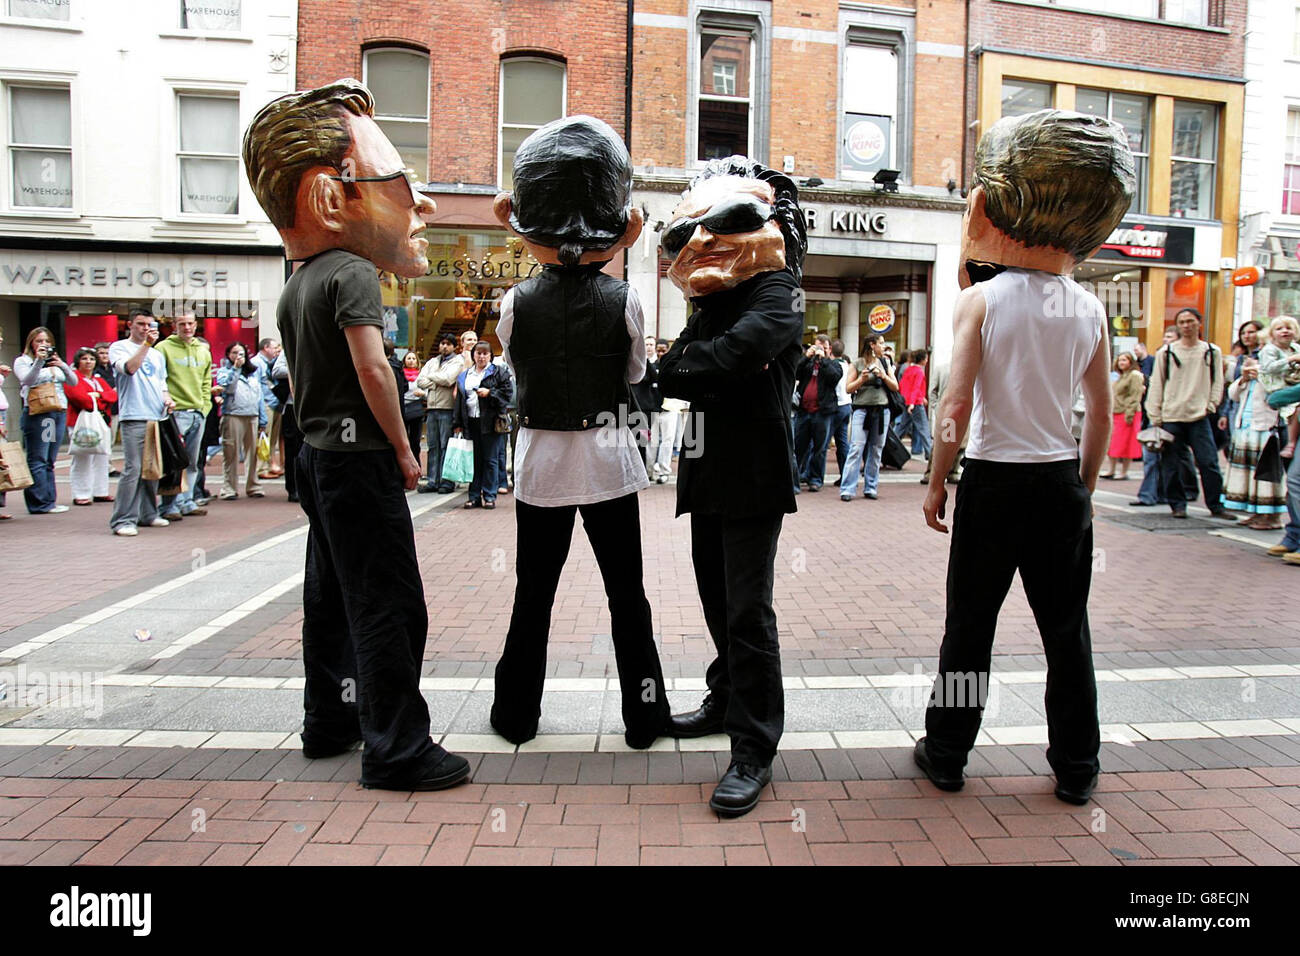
point(189, 380)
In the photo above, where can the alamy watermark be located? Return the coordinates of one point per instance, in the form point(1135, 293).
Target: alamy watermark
point(70, 690)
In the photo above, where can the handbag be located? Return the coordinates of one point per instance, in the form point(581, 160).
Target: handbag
point(897, 407)
point(1154, 438)
point(504, 424)
point(894, 454)
point(458, 463)
point(413, 411)
point(1268, 467)
point(43, 398)
point(14, 473)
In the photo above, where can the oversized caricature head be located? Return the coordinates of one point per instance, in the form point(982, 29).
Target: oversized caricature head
point(572, 202)
point(328, 178)
point(1049, 188)
point(737, 219)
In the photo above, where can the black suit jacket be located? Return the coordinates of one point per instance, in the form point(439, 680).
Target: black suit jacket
point(734, 362)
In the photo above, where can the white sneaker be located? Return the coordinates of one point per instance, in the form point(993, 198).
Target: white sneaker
point(56, 510)
point(158, 523)
point(127, 531)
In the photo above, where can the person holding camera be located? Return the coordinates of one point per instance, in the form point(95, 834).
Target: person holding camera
point(142, 397)
point(42, 374)
point(871, 376)
point(815, 382)
point(482, 393)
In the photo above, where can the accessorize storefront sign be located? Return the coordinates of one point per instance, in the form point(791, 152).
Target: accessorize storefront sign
point(1136, 240)
point(495, 268)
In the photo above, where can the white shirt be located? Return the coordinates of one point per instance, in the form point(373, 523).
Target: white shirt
point(1040, 333)
point(139, 396)
point(558, 468)
point(473, 379)
point(842, 396)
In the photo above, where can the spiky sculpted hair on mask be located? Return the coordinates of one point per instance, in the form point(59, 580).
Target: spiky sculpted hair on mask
point(789, 215)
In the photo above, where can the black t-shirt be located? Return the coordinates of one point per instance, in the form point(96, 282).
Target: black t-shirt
point(328, 293)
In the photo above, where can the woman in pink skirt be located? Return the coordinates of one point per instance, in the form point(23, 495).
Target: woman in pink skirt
point(1126, 392)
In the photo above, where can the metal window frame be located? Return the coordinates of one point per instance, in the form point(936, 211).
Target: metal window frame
point(502, 125)
point(11, 147)
point(897, 30)
point(752, 17)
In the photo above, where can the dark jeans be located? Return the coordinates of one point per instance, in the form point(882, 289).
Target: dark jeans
point(437, 430)
point(733, 559)
point(1054, 557)
point(812, 431)
point(364, 617)
point(42, 434)
point(292, 445)
point(840, 432)
point(543, 536)
point(1200, 438)
point(487, 447)
point(414, 426)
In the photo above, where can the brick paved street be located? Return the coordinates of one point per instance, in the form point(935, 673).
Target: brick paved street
point(1195, 640)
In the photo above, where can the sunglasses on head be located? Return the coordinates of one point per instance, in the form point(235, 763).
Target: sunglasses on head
point(727, 218)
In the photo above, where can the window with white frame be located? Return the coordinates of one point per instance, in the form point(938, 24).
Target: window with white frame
point(40, 147)
point(1131, 112)
point(399, 81)
point(1291, 167)
point(1295, 35)
point(871, 106)
point(39, 9)
point(208, 154)
point(1193, 12)
point(217, 16)
point(1194, 151)
point(726, 94)
point(532, 94)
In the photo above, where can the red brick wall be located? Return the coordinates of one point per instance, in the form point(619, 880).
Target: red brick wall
point(466, 40)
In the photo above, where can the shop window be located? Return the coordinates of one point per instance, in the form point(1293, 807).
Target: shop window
point(1291, 169)
point(40, 9)
point(1021, 96)
point(532, 94)
point(217, 16)
point(1191, 185)
point(208, 157)
point(726, 94)
point(889, 318)
point(1295, 35)
point(1131, 112)
point(1186, 290)
point(1186, 11)
point(40, 146)
point(821, 318)
point(399, 82)
point(871, 108)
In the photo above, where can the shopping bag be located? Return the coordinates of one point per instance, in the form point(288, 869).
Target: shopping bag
point(458, 464)
point(174, 458)
point(151, 463)
point(90, 436)
point(14, 474)
point(263, 448)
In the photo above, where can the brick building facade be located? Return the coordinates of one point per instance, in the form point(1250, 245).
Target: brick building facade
point(457, 86)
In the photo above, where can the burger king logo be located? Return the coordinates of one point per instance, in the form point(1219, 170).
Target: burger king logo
point(881, 319)
point(865, 142)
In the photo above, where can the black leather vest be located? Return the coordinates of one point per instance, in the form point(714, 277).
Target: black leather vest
point(569, 346)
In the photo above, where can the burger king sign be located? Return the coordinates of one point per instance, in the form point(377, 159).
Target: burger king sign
point(866, 141)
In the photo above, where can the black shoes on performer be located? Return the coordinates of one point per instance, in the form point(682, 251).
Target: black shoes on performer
point(443, 771)
point(942, 779)
point(1076, 793)
point(698, 723)
point(738, 791)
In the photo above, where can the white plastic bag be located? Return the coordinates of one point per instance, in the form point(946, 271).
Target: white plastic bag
point(90, 436)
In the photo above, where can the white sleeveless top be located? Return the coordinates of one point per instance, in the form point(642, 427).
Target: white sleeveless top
point(1040, 333)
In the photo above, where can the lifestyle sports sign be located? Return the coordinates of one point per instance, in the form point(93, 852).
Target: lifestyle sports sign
point(1163, 244)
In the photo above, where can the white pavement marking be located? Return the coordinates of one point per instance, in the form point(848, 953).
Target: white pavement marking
point(95, 617)
point(1234, 536)
point(215, 626)
point(1126, 734)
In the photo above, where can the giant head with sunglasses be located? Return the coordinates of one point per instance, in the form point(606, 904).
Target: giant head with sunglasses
point(736, 220)
point(1049, 188)
point(329, 178)
point(572, 200)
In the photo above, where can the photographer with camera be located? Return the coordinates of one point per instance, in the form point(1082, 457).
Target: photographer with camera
point(42, 374)
point(815, 381)
point(142, 397)
point(872, 375)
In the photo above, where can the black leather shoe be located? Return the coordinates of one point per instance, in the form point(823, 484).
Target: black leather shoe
point(450, 770)
point(318, 749)
point(737, 792)
point(943, 781)
point(1141, 504)
point(1223, 514)
point(698, 723)
point(1076, 793)
point(641, 739)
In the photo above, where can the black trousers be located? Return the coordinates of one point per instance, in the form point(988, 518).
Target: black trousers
point(364, 618)
point(292, 445)
point(1053, 552)
point(1175, 485)
point(734, 559)
point(543, 536)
